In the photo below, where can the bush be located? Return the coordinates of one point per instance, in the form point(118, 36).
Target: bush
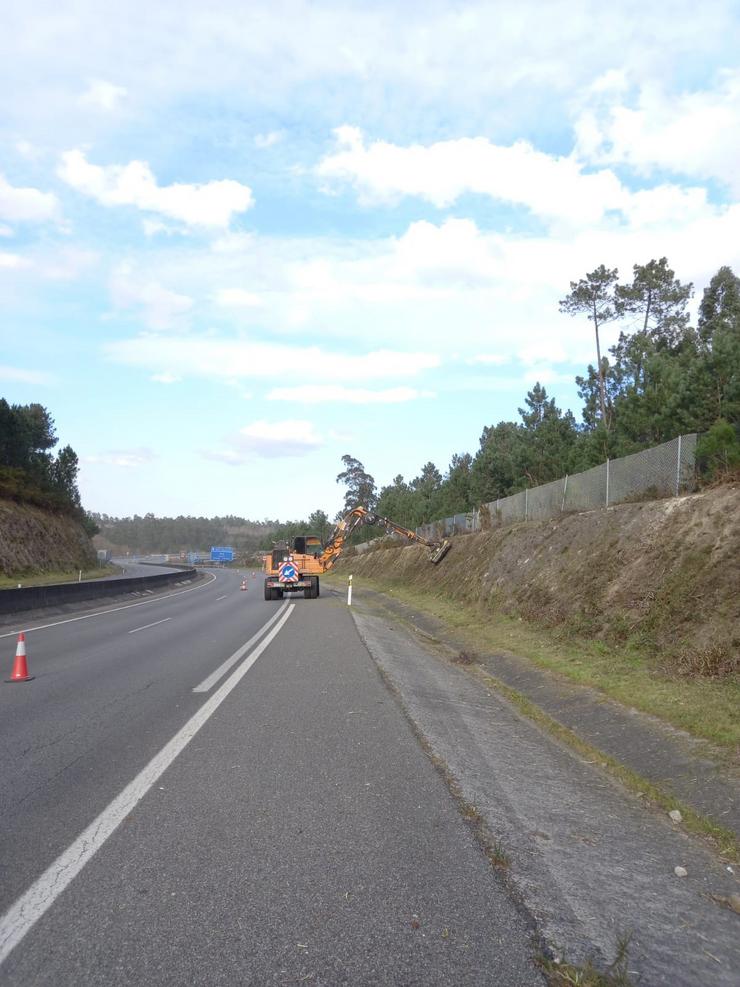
point(718, 452)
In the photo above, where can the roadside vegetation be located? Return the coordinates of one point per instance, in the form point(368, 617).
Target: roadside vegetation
point(706, 707)
point(29, 472)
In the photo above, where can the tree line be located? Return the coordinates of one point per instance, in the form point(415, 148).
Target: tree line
point(29, 471)
point(662, 378)
point(148, 534)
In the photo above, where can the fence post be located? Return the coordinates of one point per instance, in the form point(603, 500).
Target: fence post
point(565, 491)
point(607, 483)
point(526, 503)
point(678, 467)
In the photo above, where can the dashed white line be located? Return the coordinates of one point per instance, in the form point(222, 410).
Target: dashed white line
point(162, 621)
point(28, 909)
point(221, 597)
point(222, 669)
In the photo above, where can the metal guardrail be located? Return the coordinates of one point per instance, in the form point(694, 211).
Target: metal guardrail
point(31, 597)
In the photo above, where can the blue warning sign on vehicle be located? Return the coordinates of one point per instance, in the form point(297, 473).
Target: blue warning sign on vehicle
point(288, 573)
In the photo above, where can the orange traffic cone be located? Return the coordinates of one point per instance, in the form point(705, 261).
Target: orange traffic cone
point(20, 668)
point(244, 584)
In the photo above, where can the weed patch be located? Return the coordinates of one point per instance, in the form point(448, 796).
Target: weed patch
point(564, 974)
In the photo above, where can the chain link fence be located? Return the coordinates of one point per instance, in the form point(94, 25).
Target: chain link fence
point(663, 471)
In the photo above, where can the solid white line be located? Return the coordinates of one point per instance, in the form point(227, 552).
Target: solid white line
point(213, 678)
point(162, 621)
point(102, 613)
point(221, 598)
point(28, 909)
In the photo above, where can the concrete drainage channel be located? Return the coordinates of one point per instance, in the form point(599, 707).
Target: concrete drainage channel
point(38, 597)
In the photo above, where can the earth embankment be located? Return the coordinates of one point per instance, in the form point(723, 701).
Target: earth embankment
point(34, 541)
point(662, 574)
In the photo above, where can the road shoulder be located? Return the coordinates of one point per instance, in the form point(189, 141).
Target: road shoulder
point(587, 856)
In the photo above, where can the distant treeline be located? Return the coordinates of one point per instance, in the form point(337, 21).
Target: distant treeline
point(157, 535)
point(29, 472)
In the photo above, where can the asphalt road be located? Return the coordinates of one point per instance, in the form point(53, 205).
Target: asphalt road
point(283, 825)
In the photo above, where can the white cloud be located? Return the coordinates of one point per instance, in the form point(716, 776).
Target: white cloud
point(162, 309)
point(263, 141)
point(233, 359)
point(103, 95)
point(212, 204)
point(551, 187)
point(557, 189)
point(19, 375)
point(164, 378)
point(125, 458)
point(309, 394)
point(152, 227)
point(6, 231)
point(690, 133)
point(270, 440)
point(13, 261)
point(18, 205)
point(238, 298)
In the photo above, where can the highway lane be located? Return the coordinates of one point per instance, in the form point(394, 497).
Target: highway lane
point(302, 836)
point(108, 691)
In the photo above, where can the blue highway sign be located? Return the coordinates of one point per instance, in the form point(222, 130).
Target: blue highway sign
point(222, 554)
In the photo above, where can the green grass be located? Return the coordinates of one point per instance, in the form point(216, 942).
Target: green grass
point(705, 708)
point(50, 578)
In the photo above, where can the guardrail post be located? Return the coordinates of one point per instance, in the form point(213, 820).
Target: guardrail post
point(565, 491)
point(349, 592)
point(526, 503)
point(607, 483)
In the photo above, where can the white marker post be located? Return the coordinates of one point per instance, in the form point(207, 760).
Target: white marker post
point(349, 592)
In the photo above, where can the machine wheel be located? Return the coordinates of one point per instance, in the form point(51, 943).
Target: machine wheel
point(268, 592)
point(314, 589)
point(277, 594)
point(308, 592)
point(318, 587)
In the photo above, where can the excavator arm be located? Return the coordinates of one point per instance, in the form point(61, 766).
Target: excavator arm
point(361, 515)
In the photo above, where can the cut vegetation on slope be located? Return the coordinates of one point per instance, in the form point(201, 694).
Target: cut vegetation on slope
point(639, 601)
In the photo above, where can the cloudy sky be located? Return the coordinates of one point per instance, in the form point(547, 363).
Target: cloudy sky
point(238, 240)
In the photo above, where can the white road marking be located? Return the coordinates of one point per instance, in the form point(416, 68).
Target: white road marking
point(102, 613)
point(29, 908)
point(221, 598)
point(222, 669)
point(162, 621)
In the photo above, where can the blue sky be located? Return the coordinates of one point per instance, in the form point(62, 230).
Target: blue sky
point(240, 240)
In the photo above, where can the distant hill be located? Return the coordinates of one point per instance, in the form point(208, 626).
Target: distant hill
point(170, 535)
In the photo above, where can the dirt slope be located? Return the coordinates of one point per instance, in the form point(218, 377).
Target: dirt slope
point(34, 541)
point(663, 574)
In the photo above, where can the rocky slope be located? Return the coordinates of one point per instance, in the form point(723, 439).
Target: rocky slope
point(34, 541)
